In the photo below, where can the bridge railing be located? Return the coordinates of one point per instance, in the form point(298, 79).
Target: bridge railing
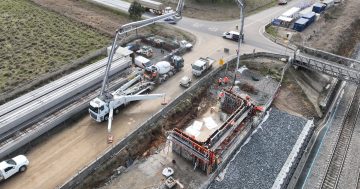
point(330, 68)
point(328, 56)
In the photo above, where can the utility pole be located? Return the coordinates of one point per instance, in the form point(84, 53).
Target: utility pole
point(134, 26)
point(241, 36)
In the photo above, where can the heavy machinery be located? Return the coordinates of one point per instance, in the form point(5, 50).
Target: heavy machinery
point(201, 65)
point(100, 107)
point(162, 70)
point(103, 106)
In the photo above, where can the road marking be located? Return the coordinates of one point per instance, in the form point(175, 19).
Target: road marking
point(213, 29)
point(197, 25)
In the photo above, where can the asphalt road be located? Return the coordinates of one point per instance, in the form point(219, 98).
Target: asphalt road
point(253, 28)
point(58, 158)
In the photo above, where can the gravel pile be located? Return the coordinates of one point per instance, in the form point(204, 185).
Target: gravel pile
point(259, 161)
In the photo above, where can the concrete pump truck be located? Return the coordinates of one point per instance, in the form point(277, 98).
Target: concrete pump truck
point(103, 107)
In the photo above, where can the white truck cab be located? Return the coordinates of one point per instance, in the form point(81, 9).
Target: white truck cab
point(11, 166)
point(99, 110)
point(233, 35)
point(201, 65)
point(168, 10)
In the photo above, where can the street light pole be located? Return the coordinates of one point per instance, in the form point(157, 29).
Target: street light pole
point(241, 37)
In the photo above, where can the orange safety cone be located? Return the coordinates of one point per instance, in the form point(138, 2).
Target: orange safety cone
point(110, 138)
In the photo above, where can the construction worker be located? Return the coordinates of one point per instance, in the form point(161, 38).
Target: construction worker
point(226, 80)
point(220, 81)
point(221, 94)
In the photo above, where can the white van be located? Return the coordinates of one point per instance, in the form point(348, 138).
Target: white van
point(142, 62)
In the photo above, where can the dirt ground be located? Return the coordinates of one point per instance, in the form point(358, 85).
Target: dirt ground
point(83, 141)
point(329, 32)
point(157, 155)
point(292, 99)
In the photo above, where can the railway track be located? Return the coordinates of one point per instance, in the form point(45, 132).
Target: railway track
point(336, 163)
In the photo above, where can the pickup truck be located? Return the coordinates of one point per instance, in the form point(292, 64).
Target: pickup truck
point(185, 44)
point(232, 35)
point(11, 166)
point(201, 65)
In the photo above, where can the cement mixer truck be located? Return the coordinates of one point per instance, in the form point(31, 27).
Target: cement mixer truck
point(163, 70)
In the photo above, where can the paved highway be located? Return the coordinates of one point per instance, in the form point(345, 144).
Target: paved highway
point(58, 158)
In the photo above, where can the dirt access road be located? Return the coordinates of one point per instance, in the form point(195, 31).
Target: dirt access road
point(58, 158)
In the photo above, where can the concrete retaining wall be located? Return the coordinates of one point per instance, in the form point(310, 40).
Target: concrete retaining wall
point(121, 145)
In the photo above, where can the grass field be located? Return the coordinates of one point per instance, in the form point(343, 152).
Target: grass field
point(35, 41)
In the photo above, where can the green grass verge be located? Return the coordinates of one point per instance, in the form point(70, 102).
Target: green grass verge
point(35, 41)
point(272, 30)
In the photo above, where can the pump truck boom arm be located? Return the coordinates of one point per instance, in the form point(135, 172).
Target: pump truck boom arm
point(127, 99)
point(124, 29)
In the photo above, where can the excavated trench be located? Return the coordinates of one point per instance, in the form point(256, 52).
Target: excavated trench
point(178, 117)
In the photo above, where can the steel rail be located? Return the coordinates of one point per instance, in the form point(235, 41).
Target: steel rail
point(336, 164)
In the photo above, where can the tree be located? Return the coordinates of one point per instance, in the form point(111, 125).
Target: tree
point(136, 10)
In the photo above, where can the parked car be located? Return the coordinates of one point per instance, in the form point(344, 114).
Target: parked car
point(185, 44)
point(12, 166)
point(170, 20)
point(185, 81)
